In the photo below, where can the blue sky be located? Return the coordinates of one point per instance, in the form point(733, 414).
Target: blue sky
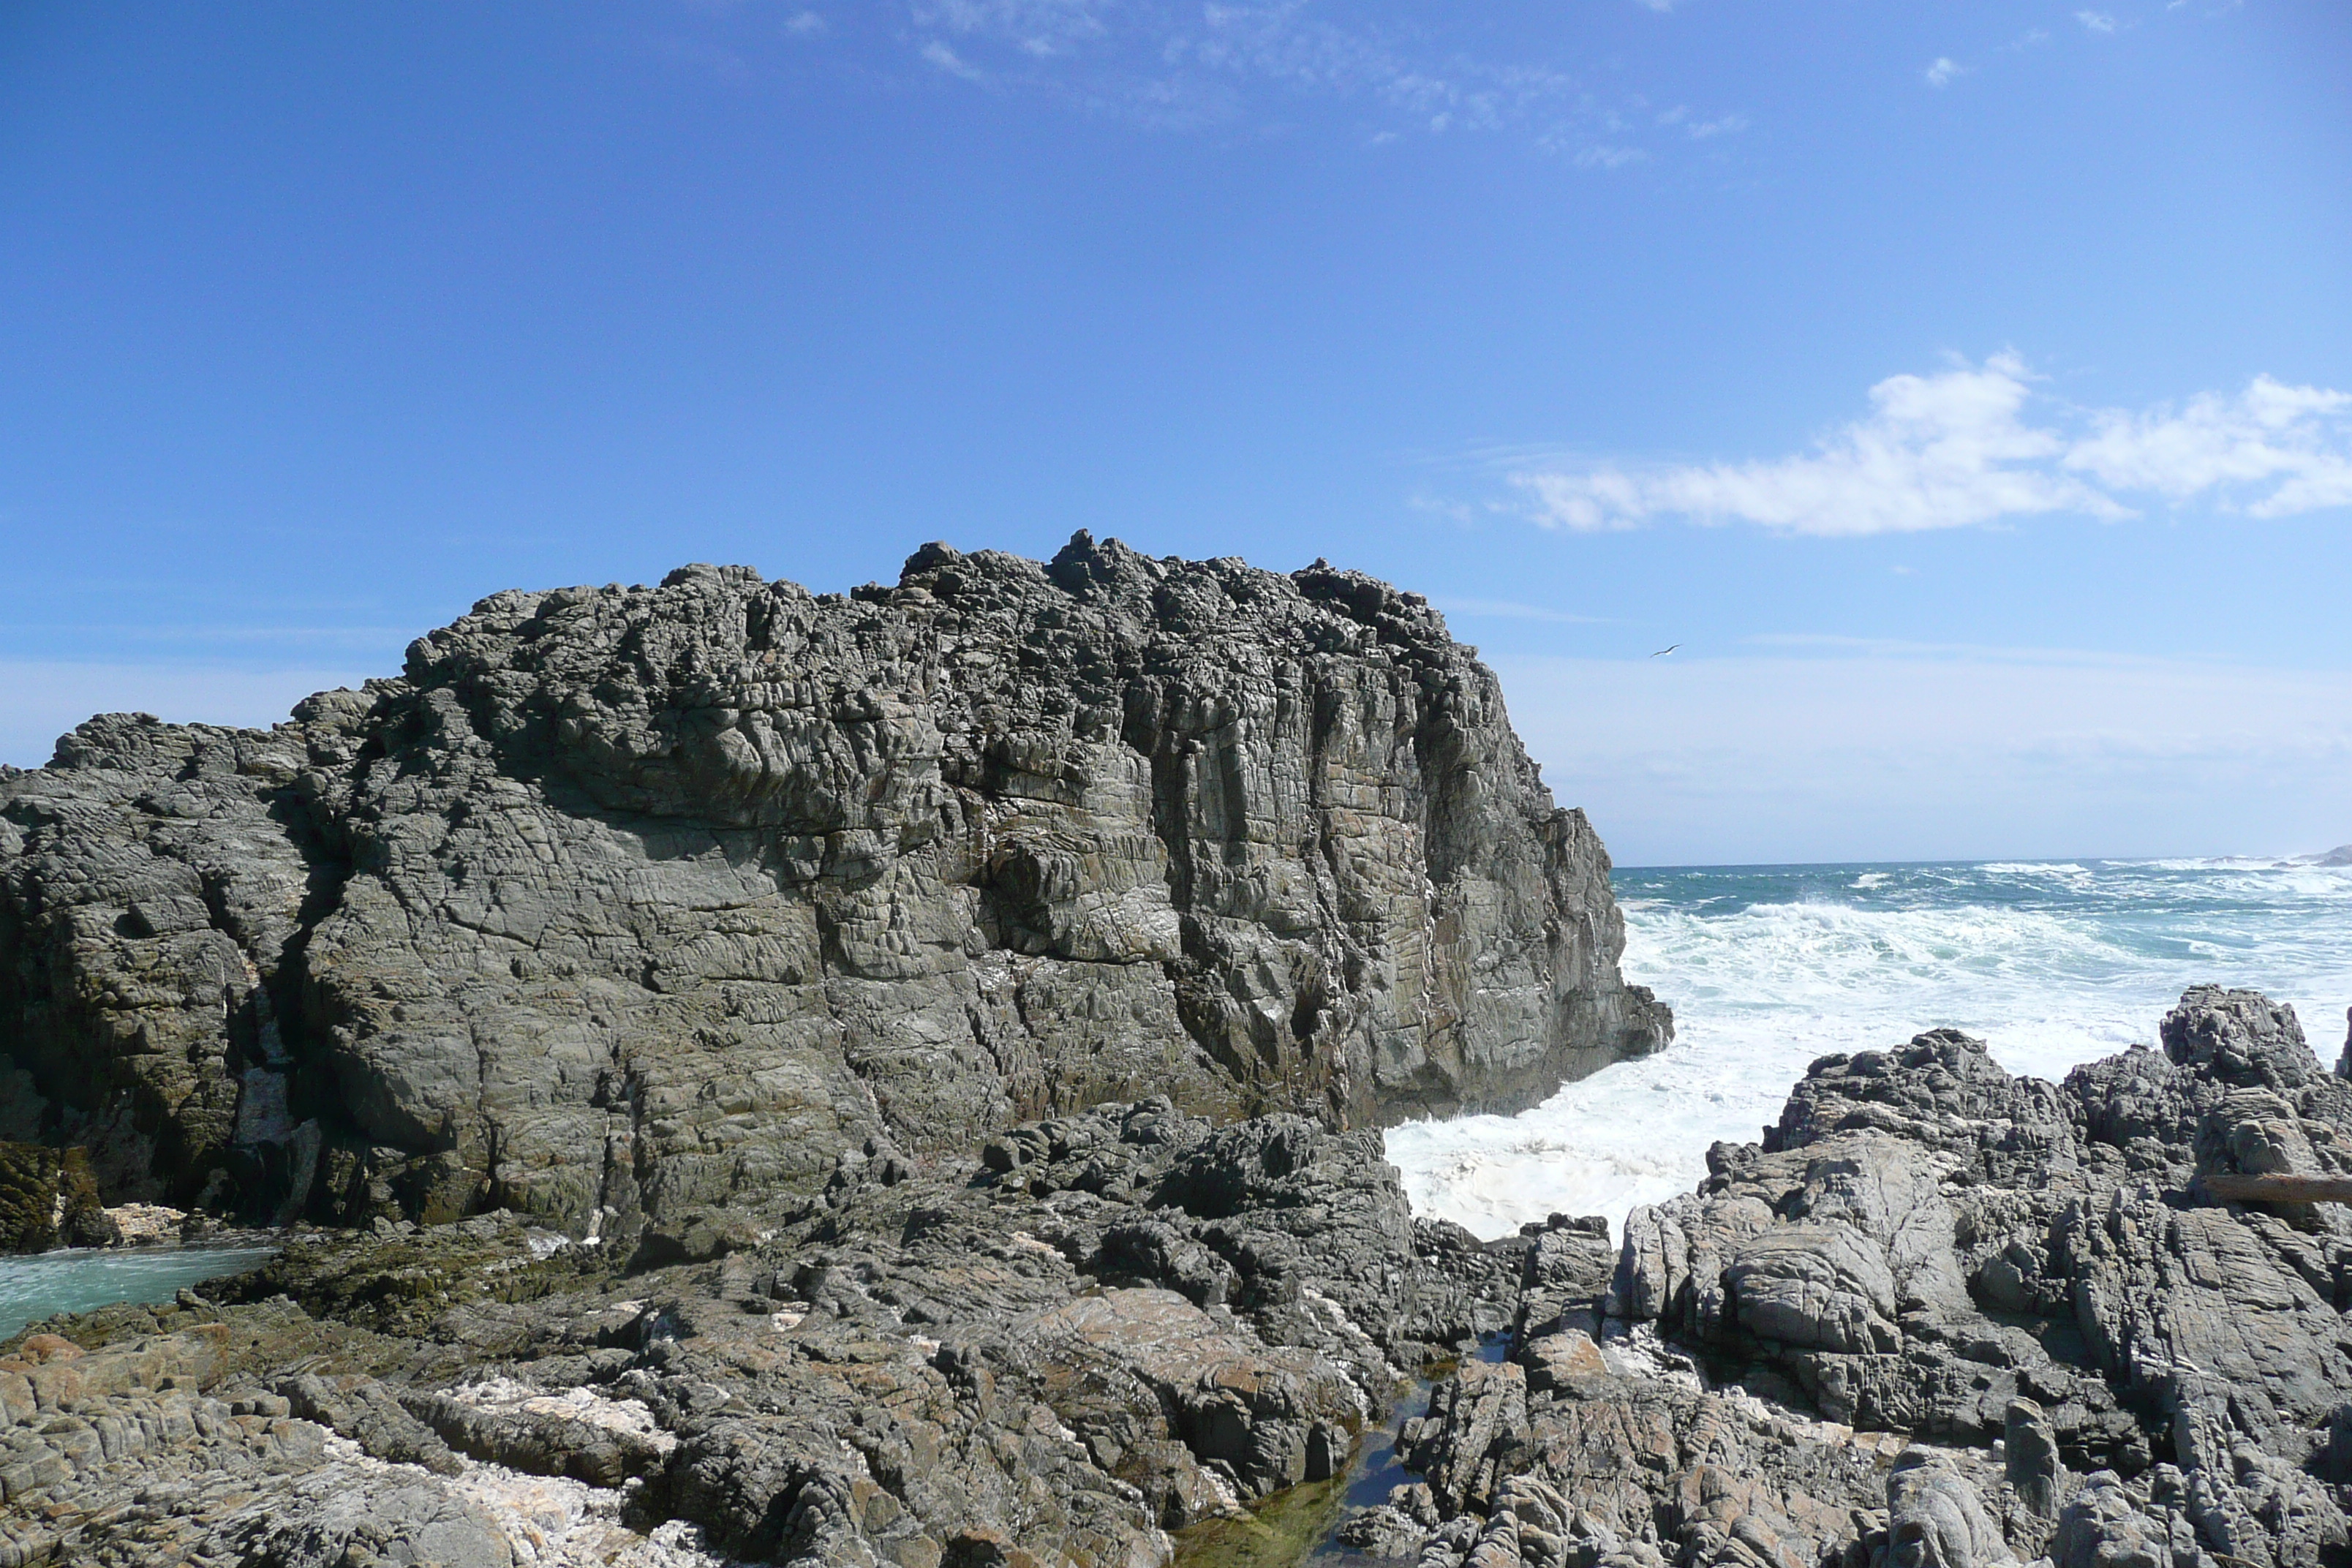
point(1967, 388)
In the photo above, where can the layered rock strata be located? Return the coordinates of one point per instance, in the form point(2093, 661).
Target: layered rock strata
point(625, 904)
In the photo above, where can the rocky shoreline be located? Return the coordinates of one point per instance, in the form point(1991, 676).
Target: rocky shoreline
point(735, 1075)
point(1938, 1315)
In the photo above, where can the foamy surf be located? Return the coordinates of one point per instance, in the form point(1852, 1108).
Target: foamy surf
point(1769, 968)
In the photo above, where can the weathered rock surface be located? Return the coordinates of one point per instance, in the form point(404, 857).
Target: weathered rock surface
point(621, 904)
point(1940, 1315)
point(1114, 1326)
point(1811, 1360)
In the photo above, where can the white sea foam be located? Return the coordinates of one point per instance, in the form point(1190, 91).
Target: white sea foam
point(1769, 969)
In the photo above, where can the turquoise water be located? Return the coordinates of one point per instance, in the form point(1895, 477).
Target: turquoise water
point(2052, 963)
point(78, 1280)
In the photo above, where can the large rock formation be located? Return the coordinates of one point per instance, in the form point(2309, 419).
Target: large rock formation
point(627, 902)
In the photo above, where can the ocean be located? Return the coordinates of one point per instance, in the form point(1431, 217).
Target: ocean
point(1768, 967)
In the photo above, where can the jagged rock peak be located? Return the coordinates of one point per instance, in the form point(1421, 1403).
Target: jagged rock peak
point(625, 903)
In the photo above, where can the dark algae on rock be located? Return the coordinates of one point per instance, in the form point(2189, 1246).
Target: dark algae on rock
point(621, 906)
point(48, 1198)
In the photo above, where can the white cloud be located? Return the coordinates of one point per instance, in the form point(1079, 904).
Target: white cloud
point(1957, 448)
point(2096, 21)
point(2293, 444)
point(803, 23)
point(938, 54)
point(1936, 452)
point(1942, 70)
point(1871, 753)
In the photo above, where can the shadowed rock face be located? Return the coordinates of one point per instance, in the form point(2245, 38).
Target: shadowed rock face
point(621, 902)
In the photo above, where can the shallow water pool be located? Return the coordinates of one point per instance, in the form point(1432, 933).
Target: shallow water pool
point(81, 1280)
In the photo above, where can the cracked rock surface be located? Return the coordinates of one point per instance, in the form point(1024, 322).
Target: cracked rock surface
point(1941, 1316)
point(1110, 1327)
point(1938, 1316)
point(622, 904)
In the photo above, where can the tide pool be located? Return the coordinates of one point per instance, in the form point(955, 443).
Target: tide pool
point(79, 1280)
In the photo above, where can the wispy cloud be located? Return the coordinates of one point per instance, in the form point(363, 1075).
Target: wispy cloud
point(940, 55)
point(2096, 21)
point(1941, 70)
point(1254, 65)
point(1038, 27)
point(1600, 155)
point(1977, 444)
point(1699, 129)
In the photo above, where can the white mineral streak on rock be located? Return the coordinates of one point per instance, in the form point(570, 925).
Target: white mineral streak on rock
point(547, 1522)
point(504, 1394)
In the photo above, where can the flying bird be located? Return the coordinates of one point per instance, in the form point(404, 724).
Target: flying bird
point(1665, 651)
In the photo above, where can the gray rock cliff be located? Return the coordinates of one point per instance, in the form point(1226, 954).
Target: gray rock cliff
point(620, 903)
